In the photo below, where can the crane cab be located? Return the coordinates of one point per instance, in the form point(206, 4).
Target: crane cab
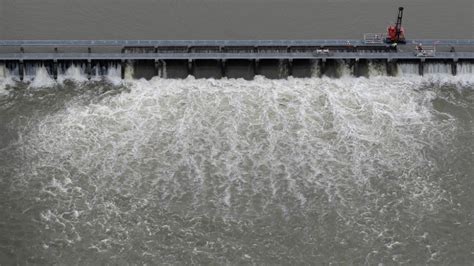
point(394, 35)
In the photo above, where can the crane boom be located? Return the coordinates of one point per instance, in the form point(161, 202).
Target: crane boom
point(398, 26)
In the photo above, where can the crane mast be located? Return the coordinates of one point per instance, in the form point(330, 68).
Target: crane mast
point(398, 26)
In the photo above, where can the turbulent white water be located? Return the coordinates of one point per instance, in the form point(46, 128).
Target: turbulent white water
point(437, 68)
point(234, 171)
point(40, 78)
point(376, 70)
point(466, 68)
point(73, 73)
point(407, 69)
point(5, 80)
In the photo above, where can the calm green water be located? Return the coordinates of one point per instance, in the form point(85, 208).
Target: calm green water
point(297, 171)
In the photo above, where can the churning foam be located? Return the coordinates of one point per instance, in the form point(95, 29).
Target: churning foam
point(5, 80)
point(407, 69)
point(73, 73)
point(41, 79)
point(38, 75)
point(355, 148)
point(437, 68)
point(465, 68)
point(114, 75)
point(377, 69)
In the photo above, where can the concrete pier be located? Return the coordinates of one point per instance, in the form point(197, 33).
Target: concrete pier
point(89, 69)
point(421, 67)
point(454, 68)
point(21, 70)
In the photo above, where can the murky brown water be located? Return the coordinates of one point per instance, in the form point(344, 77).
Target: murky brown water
point(295, 171)
point(226, 19)
point(304, 171)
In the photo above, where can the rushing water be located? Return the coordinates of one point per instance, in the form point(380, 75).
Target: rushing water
point(350, 170)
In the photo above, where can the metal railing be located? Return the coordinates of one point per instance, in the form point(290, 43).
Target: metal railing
point(374, 38)
point(218, 56)
point(163, 43)
point(425, 51)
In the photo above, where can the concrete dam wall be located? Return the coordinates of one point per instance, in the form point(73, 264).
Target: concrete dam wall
point(234, 59)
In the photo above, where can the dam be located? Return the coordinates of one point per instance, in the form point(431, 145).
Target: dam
point(274, 59)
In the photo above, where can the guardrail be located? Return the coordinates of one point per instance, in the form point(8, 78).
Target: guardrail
point(374, 38)
point(224, 56)
point(153, 43)
point(426, 51)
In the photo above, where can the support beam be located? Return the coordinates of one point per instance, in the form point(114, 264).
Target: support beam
point(454, 67)
point(391, 66)
point(290, 66)
point(164, 69)
point(55, 69)
point(157, 67)
point(190, 67)
point(21, 70)
point(21, 66)
point(89, 69)
point(55, 65)
point(256, 66)
point(223, 68)
point(322, 67)
point(421, 67)
point(355, 69)
point(123, 65)
point(89, 65)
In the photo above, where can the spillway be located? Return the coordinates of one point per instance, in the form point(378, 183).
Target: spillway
point(235, 59)
point(233, 69)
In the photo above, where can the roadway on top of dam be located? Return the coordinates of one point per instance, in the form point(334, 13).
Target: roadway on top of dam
point(150, 43)
point(223, 56)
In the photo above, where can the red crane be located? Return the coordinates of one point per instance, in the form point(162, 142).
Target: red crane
point(396, 33)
